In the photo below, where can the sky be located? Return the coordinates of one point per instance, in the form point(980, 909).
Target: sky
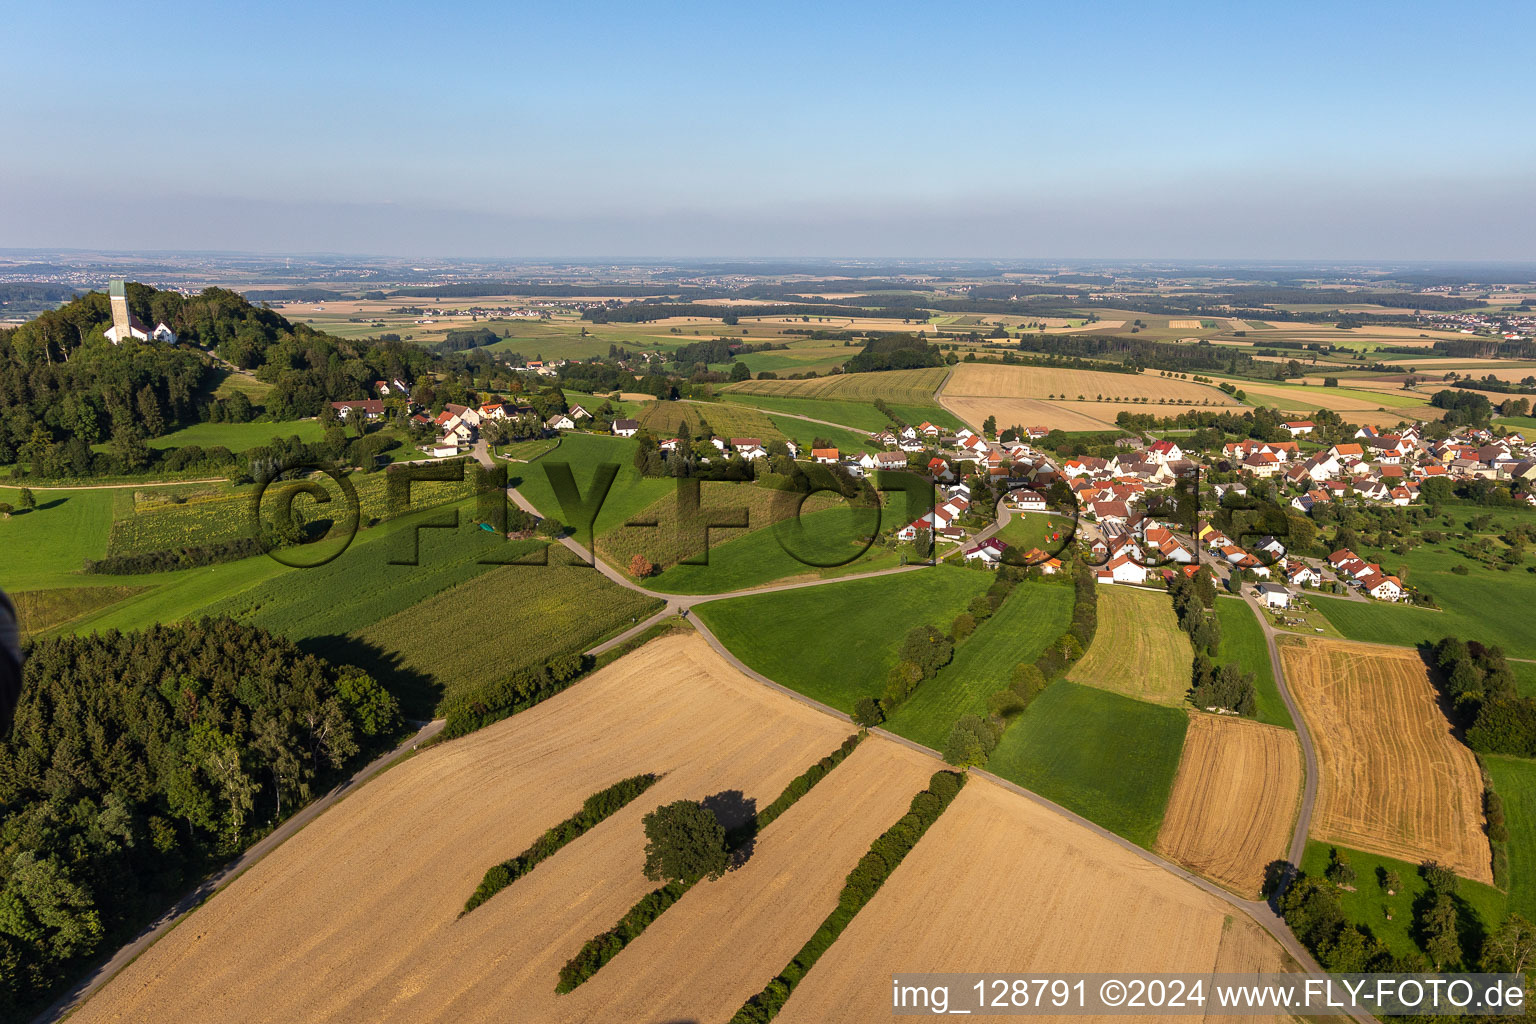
point(596, 130)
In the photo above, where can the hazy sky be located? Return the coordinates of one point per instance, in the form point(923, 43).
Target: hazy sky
point(575, 129)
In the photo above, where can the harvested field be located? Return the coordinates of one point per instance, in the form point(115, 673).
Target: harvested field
point(1002, 884)
point(1392, 779)
point(703, 958)
point(901, 387)
point(1070, 416)
point(1139, 649)
point(1307, 399)
point(355, 919)
point(986, 380)
point(1233, 800)
point(1184, 325)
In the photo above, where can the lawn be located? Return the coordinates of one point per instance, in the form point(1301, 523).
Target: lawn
point(837, 643)
point(1110, 758)
point(1033, 615)
point(1242, 641)
point(1486, 605)
point(630, 492)
point(237, 437)
point(1483, 906)
point(1050, 533)
point(1514, 779)
point(56, 537)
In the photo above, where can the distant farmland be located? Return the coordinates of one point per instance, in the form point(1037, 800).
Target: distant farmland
point(1066, 399)
point(899, 387)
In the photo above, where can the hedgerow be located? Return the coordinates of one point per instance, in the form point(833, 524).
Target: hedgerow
point(594, 809)
point(604, 947)
point(884, 854)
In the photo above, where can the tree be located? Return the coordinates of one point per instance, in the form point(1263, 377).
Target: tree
point(25, 499)
point(640, 567)
point(684, 842)
point(1511, 947)
point(129, 449)
point(1439, 928)
point(867, 712)
point(989, 426)
point(740, 372)
point(1339, 870)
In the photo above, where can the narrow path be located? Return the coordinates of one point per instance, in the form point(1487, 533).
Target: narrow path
point(1309, 788)
point(112, 487)
point(87, 986)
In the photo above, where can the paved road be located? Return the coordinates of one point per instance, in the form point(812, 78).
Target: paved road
point(88, 985)
point(1309, 789)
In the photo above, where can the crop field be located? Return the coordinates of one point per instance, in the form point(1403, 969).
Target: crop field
point(1139, 649)
point(55, 538)
point(1393, 779)
point(355, 919)
point(1233, 801)
point(1242, 641)
point(1110, 758)
point(1341, 399)
point(1070, 415)
point(1001, 884)
point(704, 957)
point(906, 387)
point(1033, 615)
point(39, 611)
point(838, 642)
point(990, 380)
point(725, 419)
point(505, 619)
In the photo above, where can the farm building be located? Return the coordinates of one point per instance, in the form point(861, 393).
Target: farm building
point(1274, 595)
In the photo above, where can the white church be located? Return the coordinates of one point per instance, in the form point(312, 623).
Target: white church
point(125, 325)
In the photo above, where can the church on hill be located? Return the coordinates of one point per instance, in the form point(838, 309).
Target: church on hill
point(125, 325)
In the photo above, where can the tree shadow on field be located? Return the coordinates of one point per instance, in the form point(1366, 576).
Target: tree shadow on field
point(417, 692)
point(737, 814)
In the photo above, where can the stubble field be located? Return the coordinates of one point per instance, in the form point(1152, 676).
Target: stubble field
point(355, 919)
point(1393, 779)
point(899, 387)
point(1021, 396)
point(1233, 800)
point(1002, 884)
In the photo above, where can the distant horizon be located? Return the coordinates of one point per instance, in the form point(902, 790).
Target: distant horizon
point(1304, 131)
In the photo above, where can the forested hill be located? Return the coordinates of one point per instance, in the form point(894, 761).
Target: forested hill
point(62, 381)
point(139, 760)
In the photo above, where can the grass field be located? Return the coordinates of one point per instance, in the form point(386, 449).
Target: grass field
point(53, 539)
point(1001, 884)
point(1033, 615)
point(902, 387)
point(837, 643)
point(1233, 801)
point(1525, 677)
point(1110, 758)
point(726, 420)
point(1242, 641)
point(859, 415)
point(629, 494)
point(1482, 906)
point(237, 437)
point(1514, 779)
point(1484, 605)
point(1025, 530)
point(356, 919)
point(1138, 649)
point(825, 544)
point(1392, 777)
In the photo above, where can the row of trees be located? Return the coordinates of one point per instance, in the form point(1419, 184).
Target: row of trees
point(137, 760)
point(1224, 687)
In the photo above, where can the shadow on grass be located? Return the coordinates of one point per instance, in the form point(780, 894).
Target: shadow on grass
point(417, 692)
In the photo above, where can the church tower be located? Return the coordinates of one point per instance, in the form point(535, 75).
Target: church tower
point(117, 293)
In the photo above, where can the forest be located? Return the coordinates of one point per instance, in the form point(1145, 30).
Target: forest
point(138, 761)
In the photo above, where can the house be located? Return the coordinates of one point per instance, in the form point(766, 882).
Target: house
point(927, 429)
point(464, 413)
point(371, 409)
point(1381, 586)
point(1299, 427)
point(1028, 501)
point(1299, 574)
point(990, 552)
point(939, 470)
point(794, 449)
point(826, 456)
point(1122, 569)
point(626, 428)
point(1345, 453)
point(578, 414)
point(560, 421)
point(444, 448)
point(883, 460)
point(886, 439)
point(1164, 452)
point(1273, 595)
